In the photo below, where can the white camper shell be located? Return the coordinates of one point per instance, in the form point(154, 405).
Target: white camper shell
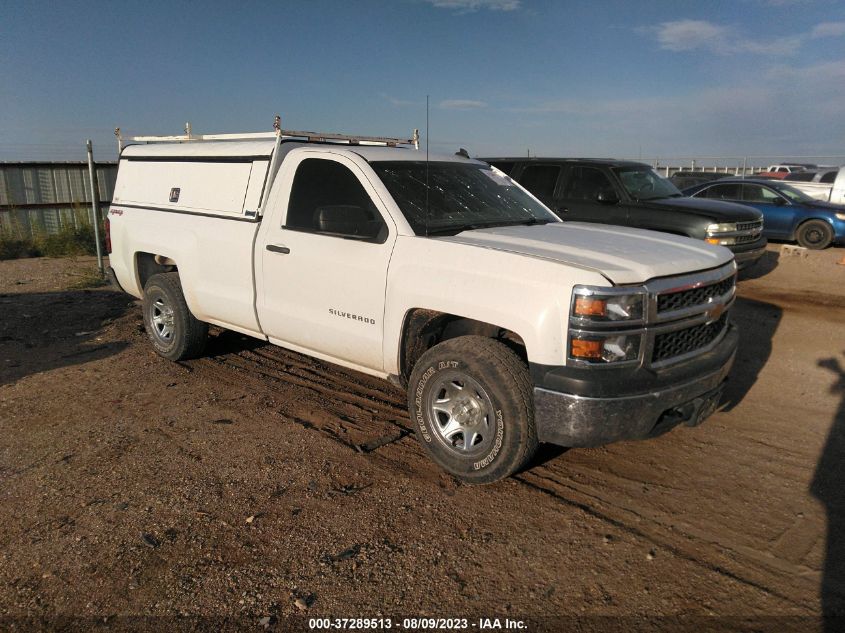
point(216, 178)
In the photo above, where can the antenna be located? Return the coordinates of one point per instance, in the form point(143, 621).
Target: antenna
point(426, 166)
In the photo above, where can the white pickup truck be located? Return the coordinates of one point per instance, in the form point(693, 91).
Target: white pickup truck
point(827, 185)
point(507, 326)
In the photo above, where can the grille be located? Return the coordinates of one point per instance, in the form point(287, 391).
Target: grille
point(679, 342)
point(693, 297)
point(748, 226)
point(745, 239)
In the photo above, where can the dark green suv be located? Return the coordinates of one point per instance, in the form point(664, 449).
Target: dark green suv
point(633, 194)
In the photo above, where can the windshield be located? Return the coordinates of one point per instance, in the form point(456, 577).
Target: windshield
point(460, 197)
point(643, 183)
point(792, 193)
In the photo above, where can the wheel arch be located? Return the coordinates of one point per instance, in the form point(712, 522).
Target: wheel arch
point(423, 328)
point(149, 264)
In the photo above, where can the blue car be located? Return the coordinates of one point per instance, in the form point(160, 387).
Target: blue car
point(788, 214)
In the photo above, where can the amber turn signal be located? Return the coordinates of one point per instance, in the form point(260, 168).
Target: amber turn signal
point(582, 348)
point(588, 306)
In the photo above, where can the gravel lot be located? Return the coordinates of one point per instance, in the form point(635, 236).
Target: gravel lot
point(257, 483)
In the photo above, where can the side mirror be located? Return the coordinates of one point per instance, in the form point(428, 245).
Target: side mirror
point(607, 196)
point(346, 220)
point(778, 202)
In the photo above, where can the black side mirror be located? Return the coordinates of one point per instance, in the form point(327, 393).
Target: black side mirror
point(346, 220)
point(607, 196)
point(778, 202)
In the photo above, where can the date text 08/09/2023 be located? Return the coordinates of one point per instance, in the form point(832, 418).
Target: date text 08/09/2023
point(415, 624)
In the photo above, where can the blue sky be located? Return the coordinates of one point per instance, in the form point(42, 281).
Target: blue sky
point(600, 78)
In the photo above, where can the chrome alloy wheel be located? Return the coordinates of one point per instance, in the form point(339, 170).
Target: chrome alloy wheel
point(461, 414)
point(161, 317)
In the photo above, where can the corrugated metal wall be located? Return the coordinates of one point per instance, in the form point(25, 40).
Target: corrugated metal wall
point(47, 196)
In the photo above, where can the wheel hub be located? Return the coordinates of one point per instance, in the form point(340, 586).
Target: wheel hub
point(161, 315)
point(461, 413)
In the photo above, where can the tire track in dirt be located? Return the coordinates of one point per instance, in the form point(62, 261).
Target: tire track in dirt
point(720, 552)
point(361, 413)
point(366, 414)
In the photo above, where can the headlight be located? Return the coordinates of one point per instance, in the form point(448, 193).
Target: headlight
point(613, 348)
point(840, 216)
point(594, 305)
point(725, 227)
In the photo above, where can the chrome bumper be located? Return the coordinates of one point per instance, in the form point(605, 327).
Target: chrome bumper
point(569, 420)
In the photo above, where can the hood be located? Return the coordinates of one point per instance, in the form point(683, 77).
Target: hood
point(716, 210)
point(623, 255)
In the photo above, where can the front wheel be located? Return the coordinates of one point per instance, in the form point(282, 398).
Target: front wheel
point(174, 332)
point(815, 234)
point(471, 403)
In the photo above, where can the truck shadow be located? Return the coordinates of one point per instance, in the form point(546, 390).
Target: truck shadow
point(827, 487)
point(766, 264)
point(224, 342)
point(757, 321)
point(48, 330)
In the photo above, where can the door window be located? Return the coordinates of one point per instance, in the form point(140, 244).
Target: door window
point(829, 177)
point(327, 198)
point(722, 192)
point(585, 183)
point(540, 180)
point(758, 194)
point(505, 166)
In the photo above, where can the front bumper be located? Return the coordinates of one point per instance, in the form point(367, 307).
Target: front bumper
point(746, 258)
point(573, 420)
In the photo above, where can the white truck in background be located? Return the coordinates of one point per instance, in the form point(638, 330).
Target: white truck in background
point(507, 326)
point(827, 185)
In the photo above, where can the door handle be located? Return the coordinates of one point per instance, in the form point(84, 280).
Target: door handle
point(562, 210)
point(284, 250)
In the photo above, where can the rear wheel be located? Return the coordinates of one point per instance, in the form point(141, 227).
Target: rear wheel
point(174, 332)
point(815, 234)
point(471, 403)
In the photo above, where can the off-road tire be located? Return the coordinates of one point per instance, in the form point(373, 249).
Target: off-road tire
point(496, 394)
point(814, 234)
point(174, 332)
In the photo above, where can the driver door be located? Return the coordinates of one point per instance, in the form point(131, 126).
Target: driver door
point(778, 213)
point(323, 261)
point(579, 198)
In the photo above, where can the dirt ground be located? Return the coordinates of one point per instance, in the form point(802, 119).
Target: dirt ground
point(258, 484)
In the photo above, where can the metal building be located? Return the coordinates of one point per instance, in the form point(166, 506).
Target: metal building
point(42, 197)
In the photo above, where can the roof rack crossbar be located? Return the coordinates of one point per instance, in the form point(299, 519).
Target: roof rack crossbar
point(351, 139)
point(278, 133)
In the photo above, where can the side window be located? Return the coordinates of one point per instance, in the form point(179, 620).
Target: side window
point(327, 198)
point(758, 193)
point(505, 166)
point(585, 183)
point(829, 177)
point(722, 192)
point(540, 180)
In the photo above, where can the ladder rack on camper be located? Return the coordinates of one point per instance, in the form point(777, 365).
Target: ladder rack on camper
point(278, 134)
